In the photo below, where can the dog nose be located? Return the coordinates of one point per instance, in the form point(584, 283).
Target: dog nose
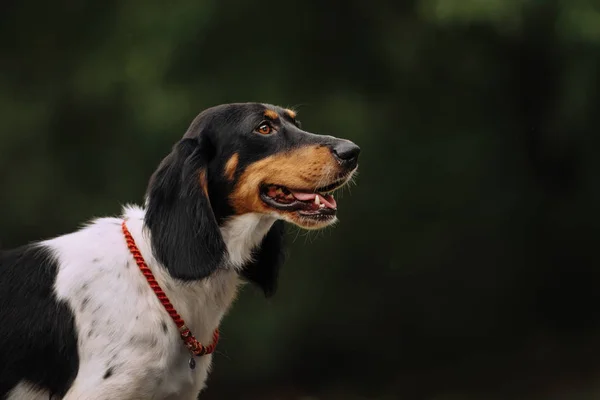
point(347, 152)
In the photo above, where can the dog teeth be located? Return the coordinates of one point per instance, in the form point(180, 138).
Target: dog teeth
point(317, 200)
point(322, 206)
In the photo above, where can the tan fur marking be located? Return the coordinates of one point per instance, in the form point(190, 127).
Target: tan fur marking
point(290, 113)
point(203, 181)
point(306, 168)
point(271, 114)
point(231, 166)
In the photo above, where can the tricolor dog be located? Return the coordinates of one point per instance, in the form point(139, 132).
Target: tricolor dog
point(129, 307)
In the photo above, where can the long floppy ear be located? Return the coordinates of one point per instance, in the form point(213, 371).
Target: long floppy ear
point(268, 259)
point(185, 235)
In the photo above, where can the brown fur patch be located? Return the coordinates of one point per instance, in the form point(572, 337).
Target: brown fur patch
point(290, 113)
point(203, 181)
point(271, 114)
point(303, 168)
point(231, 166)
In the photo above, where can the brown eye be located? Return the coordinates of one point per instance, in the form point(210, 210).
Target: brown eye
point(265, 129)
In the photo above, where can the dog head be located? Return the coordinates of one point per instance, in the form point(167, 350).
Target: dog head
point(239, 159)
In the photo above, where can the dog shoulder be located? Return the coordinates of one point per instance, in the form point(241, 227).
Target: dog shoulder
point(37, 327)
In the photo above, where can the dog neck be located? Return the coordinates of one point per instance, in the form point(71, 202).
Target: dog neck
point(242, 234)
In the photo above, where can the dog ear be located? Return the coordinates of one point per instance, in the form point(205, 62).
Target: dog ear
point(268, 258)
point(185, 235)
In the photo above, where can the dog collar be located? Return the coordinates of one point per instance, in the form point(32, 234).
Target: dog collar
point(193, 345)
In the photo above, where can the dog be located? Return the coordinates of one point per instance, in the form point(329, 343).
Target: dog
point(129, 307)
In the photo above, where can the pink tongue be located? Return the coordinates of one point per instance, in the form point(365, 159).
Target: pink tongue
point(327, 199)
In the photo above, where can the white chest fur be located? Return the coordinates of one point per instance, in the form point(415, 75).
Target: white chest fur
point(123, 329)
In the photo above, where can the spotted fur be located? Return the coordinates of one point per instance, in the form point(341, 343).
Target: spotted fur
point(79, 320)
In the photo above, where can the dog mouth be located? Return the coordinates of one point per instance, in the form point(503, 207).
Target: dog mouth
point(317, 204)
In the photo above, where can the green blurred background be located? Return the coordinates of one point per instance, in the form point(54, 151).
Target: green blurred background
point(465, 265)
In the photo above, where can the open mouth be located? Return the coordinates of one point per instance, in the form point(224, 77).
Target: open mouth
point(308, 203)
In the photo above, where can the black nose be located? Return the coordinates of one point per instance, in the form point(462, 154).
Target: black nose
point(347, 152)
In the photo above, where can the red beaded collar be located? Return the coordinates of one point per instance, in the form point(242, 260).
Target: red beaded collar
point(193, 345)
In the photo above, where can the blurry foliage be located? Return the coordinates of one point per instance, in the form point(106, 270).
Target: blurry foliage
point(465, 262)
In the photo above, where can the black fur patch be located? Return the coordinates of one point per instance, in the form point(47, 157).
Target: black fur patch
point(185, 236)
point(108, 373)
point(38, 340)
point(268, 259)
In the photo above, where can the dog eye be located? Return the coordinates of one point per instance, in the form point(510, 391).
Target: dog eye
point(264, 129)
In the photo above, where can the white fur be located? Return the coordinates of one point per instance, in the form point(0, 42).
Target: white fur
point(242, 234)
point(26, 391)
point(121, 324)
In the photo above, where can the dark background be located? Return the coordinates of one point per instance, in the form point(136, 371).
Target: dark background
point(465, 265)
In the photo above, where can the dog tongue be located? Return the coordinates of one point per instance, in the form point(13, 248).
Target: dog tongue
point(327, 199)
